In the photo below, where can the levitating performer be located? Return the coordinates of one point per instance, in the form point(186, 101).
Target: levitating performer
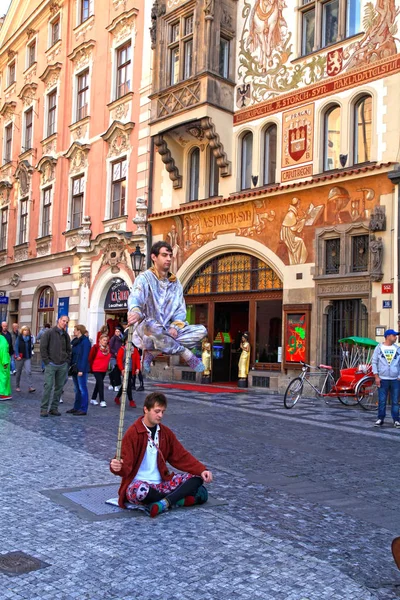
point(157, 310)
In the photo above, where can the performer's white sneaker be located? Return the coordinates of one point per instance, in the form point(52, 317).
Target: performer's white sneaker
point(103, 403)
point(110, 387)
point(94, 402)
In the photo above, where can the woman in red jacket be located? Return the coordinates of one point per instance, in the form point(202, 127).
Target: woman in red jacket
point(99, 359)
point(134, 368)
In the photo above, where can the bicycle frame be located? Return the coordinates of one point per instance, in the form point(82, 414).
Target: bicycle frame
point(306, 373)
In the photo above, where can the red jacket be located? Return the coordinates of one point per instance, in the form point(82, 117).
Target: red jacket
point(93, 353)
point(135, 365)
point(134, 444)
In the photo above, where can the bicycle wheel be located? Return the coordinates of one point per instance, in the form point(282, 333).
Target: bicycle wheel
point(293, 392)
point(349, 400)
point(367, 394)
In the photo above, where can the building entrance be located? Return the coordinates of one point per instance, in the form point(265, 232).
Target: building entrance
point(231, 320)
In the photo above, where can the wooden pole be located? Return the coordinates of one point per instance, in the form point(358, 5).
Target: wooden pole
point(128, 351)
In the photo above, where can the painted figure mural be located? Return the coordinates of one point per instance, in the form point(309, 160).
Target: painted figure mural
point(292, 226)
point(268, 29)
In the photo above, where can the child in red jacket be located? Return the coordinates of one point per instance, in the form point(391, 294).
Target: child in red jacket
point(134, 368)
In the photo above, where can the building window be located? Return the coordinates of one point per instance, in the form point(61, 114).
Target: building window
point(123, 70)
point(51, 112)
point(180, 43)
point(28, 130)
point(269, 170)
point(321, 25)
point(213, 174)
point(11, 73)
point(331, 149)
point(118, 188)
point(46, 211)
point(45, 307)
point(224, 52)
point(23, 221)
point(84, 10)
point(359, 253)
point(54, 31)
point(362, 129)
point(3, 229)
point(31, 54)
point(246, 161)
point(83, 95)
point(77, 201)
point(194, 173)
point(332, 256)
point(7, 143)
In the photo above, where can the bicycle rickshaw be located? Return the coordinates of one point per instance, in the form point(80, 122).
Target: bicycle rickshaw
point(356, 384)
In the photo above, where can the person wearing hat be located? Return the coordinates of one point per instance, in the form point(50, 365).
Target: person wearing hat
point(115, 344)
point(386, 368)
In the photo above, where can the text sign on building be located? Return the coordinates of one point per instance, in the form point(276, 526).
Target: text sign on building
point(66, 270)
point(3, 299)
point(63, 307)
point(386, 304)
point(117, 296)
point(387, 288)
point(3, 293)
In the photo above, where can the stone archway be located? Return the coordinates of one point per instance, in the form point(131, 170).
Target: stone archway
point(96, 308)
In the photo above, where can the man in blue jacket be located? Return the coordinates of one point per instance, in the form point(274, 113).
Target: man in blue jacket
point(386, 368)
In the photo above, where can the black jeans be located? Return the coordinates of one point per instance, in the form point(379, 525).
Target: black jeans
point(128, 389)
point(188, 488)
point(99, 387)
point(115, 377)
point(140, 379)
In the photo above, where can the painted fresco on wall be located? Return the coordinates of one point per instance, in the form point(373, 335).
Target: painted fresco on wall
point(285, 223)
point(267, 47)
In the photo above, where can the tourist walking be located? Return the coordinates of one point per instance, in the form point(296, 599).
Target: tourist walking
point(99, 361)
point(55, 350)
point(116, 342)
point(386, 368)
point(134, 368)
point(23, 350)
point(4, 332)
point(79, 369)
point(14, 334)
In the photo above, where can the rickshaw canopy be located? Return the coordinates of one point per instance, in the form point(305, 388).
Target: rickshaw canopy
point(359, 341)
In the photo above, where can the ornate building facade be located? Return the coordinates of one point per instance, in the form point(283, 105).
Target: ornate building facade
point(74, 111)
point(276, 129)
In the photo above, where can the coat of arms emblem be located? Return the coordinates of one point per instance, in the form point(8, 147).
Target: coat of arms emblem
point(297, 142)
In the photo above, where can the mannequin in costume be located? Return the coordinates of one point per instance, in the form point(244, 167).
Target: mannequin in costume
point(206, 356)
point(244, 360)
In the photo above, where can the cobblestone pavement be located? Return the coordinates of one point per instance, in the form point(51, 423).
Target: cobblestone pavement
point(310, 503)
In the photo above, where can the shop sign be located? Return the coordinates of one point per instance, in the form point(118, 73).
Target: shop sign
point(117, 296)
point(387, 288)
point(63, 307)
point(296, 338)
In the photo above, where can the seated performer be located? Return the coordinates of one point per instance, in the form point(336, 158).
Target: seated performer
point(146, 479)
point(158, 311)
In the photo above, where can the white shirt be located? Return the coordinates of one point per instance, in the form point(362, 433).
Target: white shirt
point(148, 470)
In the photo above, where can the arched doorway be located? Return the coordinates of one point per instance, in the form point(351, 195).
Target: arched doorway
point(344, 318)
point(233, 293)
point(45, 308)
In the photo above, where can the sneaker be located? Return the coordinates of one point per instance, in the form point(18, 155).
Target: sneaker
point(116, 389)
point(378, 423)
point(201, 495)
point(54, 413)
point(110, 387)
point(140, 389)
point(396, 424)
point(93, 401)
point(132, 404)
point(117, 400)
point(71, 411)
point(157, 508)
point(79, 413)
point(31, 390)
point(103, 403)
point(61, 401)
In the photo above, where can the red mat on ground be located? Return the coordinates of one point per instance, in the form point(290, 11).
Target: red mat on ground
point(209, 389)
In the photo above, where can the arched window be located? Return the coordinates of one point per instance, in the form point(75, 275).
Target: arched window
point(362, 133)
point(332, 138)
point(194, 170)
point(269, 155)
point(246, 161)
point(45, 308)
point(213, 173)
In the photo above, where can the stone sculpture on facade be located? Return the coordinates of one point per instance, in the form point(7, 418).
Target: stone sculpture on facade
point(376, 250)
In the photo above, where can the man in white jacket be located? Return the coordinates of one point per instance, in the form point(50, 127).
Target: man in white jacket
point(386, 368)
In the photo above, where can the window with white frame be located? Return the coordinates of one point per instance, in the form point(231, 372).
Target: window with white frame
point(123, 80)
point(51, 112)
point(362, 133)
point(3, 228)
point(23, 221)
point(246, 160)
point(78, 187)
point(118, 188)
point(331, 138)
point(180, 45)
point(28, 128)
point(30, 54)
point(213, 185)
point(55, 31)
point(11, 70)
point(269, 170)
point(324, 22)
point(46, 210)
point(194, 174)
point(85, 9)
point(8, 130)
point(224, 56)
point(82, 98)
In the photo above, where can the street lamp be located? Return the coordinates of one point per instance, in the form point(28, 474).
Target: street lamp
point(137, 259)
